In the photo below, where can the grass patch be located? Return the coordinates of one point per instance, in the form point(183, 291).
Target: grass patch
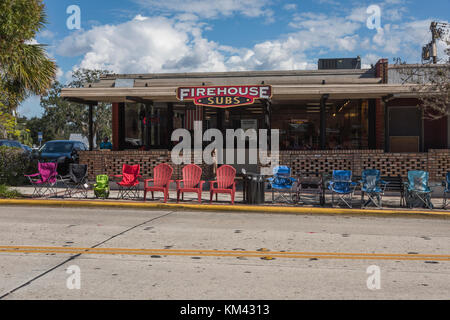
point(7, 193)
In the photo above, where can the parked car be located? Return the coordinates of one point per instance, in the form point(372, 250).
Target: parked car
point(27, 148)
point(63, 152)
point(15, 144)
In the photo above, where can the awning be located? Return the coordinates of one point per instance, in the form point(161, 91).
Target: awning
point(280, 92)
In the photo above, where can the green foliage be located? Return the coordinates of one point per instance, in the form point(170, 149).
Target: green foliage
point(6, 193)
point(13, 165)
point(61, 117)
point(24, 66)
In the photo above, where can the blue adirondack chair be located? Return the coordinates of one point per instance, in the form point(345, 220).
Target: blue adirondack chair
point(282, 183)
point(417, 189)
point(373, 186)
point(341, 185)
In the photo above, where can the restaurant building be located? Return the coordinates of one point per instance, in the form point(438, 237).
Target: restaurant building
point(337, 117)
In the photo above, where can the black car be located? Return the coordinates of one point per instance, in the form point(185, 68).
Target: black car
point(62, 151)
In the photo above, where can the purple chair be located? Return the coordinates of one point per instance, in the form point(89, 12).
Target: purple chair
point(45, 180)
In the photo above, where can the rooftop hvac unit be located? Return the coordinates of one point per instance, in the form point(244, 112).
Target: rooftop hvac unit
point(340, 63)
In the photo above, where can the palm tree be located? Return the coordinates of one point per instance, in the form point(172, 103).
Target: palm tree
point(25, 67)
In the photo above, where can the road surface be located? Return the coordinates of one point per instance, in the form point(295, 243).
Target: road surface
point(45, 253)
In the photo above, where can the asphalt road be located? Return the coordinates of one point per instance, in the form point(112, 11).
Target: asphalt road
point(137, 254)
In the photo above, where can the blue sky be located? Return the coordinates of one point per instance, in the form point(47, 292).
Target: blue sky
point(139, 36)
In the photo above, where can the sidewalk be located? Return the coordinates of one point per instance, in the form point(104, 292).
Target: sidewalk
point(391, 203)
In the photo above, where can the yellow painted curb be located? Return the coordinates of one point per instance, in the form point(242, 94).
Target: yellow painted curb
point(208, 207)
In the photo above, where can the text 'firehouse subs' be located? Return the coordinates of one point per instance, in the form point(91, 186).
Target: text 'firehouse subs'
point(224, 96)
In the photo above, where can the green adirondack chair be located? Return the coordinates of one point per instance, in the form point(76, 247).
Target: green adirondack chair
point(101, 187)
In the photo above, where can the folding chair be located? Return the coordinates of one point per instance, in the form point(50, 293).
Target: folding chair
point(283, 184)
point(446, 184)
point(129, 186)
point(341, 184)
point(101, 187)
point(417, 189)
point(373, 186)
point(76, 180)
point(45, 180)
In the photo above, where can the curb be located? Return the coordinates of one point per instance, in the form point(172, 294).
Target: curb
point(209, 207)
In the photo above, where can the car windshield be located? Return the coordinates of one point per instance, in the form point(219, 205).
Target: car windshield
point(61, 147)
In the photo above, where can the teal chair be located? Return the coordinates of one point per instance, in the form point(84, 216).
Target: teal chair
point(417, 189)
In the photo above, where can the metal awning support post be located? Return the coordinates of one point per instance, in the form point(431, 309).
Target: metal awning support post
point(268, 120)
point(91, 126)
point(323, 121)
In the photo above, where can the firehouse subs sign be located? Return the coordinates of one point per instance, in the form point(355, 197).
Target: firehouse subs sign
point(224, 96)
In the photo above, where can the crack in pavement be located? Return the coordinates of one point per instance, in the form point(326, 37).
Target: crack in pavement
point(79, 254)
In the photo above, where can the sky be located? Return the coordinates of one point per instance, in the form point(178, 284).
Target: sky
point(153, 36)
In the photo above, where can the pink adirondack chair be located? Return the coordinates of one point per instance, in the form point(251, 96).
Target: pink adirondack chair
point(129, 184)
point(225, 182)
point(161, 181)
point(192, 174)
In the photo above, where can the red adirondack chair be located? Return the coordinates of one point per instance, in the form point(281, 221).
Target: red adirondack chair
point(225, 182)
point(161, 181)
point(192, 174)
point(129, 184)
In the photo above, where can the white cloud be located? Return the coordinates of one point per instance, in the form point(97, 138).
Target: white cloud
point(177, 44)
point(144, 45)
point(210, 8)
point(290, 7)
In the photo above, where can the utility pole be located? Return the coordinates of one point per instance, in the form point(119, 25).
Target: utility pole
point(438, 30)
point(434, 36)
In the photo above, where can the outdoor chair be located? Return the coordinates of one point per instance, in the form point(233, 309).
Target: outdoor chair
point(129, 185)
point(310, 184)
point(341, 185)
point(373, 186)
point(191, 182)
point(224, 183)
point(446, 184)
point(76, 180)
point(45, 180)
point(101, 187)
point(417, 189)
point(161, 181)
point(283, 184)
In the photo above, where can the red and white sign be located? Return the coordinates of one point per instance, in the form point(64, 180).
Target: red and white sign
point(224, 96)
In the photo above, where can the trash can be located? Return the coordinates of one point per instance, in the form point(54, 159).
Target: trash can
point(253, 188)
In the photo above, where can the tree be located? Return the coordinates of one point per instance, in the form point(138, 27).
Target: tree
point(24, 66)
point(433, 87)
point(433, 83)
point(62, 117)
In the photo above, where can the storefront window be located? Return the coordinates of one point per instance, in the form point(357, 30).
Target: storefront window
point(134, 112)
point(145, 126)
point(299, 125)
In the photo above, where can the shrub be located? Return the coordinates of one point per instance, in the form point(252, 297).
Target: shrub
point(7, 193)
point(14, 163)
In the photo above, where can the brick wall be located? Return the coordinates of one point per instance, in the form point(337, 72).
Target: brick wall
point(110, 162)
point(436, 162)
